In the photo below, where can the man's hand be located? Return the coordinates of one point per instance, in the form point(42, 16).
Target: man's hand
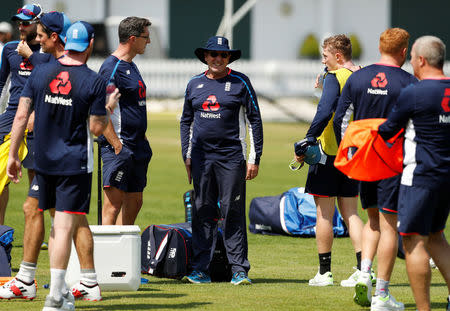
point(23, 49)
point(112, 100)
point(14, 169)
point(118, 147)
point(252, 171)
point(300, 159)
point(188, 169)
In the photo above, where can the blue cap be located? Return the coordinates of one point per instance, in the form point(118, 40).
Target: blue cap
point(28, 12)
point(78, 36)
point(67, 24)
point(56, 22)
point(217, 43)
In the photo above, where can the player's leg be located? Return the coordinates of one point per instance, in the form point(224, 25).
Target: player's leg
point(112, 203)
point(440, 252)
point(115, 179)
point(418, 268)
point(23, 285)
point(230, 178)
point(136, 182)
point(387, 253)
point(130, 208)
point(87, 288)
point(204, 219)
point(324, 240)
point(348, 206)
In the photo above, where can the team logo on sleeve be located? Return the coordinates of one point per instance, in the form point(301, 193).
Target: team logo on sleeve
point(379, 81)
point(210, 105)
point(59, 86)
point(25, 67)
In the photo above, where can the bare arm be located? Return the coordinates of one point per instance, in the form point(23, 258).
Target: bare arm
point(112, 138)
point(13, 167)
point(97, 124)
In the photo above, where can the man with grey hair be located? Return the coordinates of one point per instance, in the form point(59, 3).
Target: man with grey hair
point(423, 110)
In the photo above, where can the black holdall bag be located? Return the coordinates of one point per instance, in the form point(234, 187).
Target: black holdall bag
point(166, 251)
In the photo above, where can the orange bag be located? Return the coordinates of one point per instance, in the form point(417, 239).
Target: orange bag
point(374, 159)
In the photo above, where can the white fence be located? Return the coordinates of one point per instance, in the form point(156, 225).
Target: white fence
point(168, 78)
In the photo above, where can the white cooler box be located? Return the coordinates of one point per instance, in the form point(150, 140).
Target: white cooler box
point(117, 258)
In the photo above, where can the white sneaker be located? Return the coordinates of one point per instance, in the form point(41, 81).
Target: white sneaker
point(363, 289)
point(352, 280)
point(387, 303)
point(54, 305)
point(15, 288)
point(325, 279)
point(84, 292)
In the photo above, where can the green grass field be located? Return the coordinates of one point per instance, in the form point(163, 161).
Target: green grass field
point(281, 266)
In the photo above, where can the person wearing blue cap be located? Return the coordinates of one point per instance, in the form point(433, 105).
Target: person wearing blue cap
point(69, 101)
point(18, 69)
point(219, 104)
point(125, 150)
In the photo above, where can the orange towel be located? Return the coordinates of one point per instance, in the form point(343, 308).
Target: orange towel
point(374, 159)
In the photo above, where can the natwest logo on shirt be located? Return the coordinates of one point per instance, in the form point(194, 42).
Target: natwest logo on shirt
point(211, 104)
point(61, 85)
point(379, 80)
point(25, 68)
point(26, 65)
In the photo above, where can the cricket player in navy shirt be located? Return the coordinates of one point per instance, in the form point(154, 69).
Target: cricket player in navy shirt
point(50, 28)
point(325, 182)
point(423, 111)
point(371, 93)
point(218, 104)
point(18, 69)
point(69, 103)
point(125, 149)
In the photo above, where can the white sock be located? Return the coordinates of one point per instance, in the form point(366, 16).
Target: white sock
point(366, 265)
point(88, 277)
point(26, 272)
point(57, 283)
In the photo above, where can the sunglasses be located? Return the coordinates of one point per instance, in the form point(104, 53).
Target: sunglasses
point(27, 23)
point(26, 12)
point(222, 54)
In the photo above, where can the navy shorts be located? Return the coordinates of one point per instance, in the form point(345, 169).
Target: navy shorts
point(127, 170)
point(382, 194)
point(28, 162)
point(327, 181)
point(70, 194)
point(34, 189)
point(422, 211)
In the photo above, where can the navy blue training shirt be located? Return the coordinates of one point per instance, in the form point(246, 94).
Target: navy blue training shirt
point(326, 107)
point(64, 97)
point(130, 116)
point(20, 69)
point(370, 92)
point(214, 116)
point(423, 110)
